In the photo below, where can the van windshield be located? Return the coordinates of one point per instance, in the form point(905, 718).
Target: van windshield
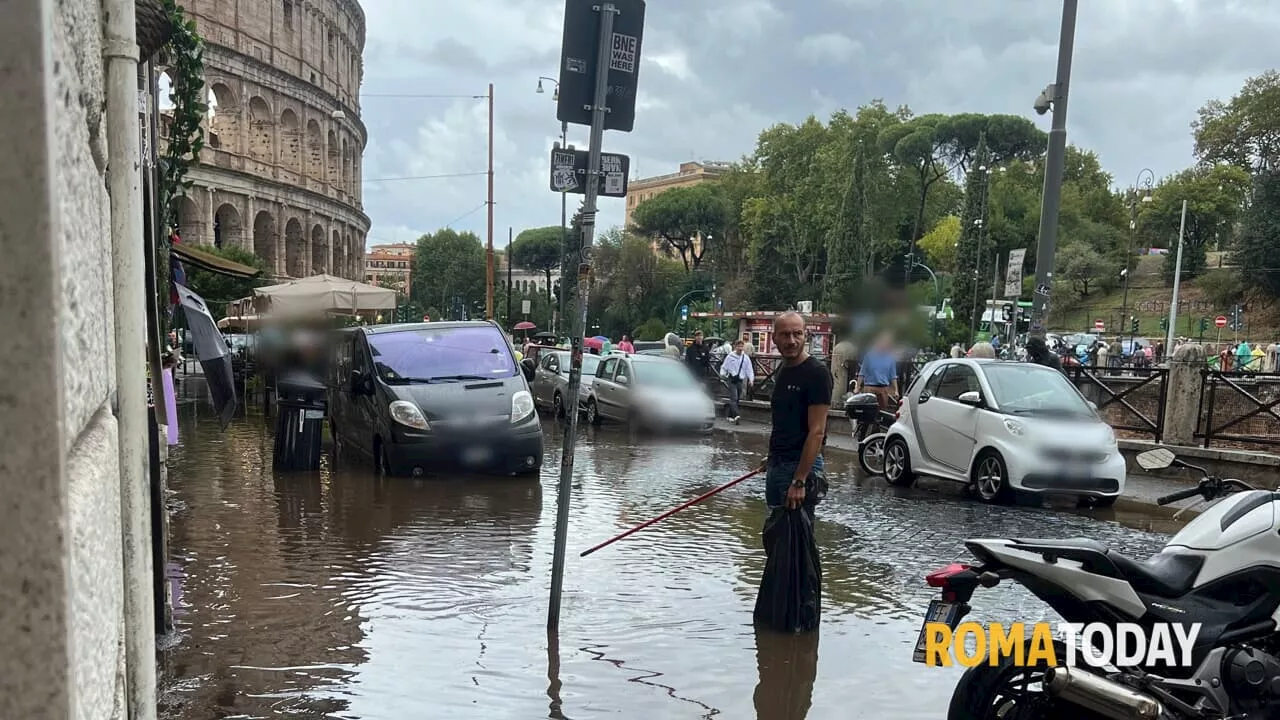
point(441, 354)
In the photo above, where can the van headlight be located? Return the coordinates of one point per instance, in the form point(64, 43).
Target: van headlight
point(521, 406)
point(408, 414)
point(1014, 427)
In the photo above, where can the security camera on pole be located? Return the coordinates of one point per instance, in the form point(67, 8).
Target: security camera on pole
point(599, 64)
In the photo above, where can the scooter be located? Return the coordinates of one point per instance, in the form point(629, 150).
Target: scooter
point(870, 429)
point(1221, 571)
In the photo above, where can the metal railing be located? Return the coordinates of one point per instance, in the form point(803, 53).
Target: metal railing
point(1257, 423)
point(1116, 396)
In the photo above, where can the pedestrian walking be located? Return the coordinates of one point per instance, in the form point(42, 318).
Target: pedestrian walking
point(799, 406)
point(606, 347)
point(1104, 353)
point(1115, 353)
point(626, 346)
point(843, 358)
point(982, 351)
point(738, 375)
point(1040, 354)
point(697, 356)
point(878, 373)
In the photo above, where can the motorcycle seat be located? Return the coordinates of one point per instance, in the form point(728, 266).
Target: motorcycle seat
point(1168, 575)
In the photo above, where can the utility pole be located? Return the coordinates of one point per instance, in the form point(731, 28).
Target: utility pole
point(1056, 96)
point(509, 275)
point(1177, 278)
point(995, 282)
point(488, 291)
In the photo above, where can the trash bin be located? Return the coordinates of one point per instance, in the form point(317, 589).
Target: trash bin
point(300, 422)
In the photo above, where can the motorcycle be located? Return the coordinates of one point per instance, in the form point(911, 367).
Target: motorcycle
point(870, 428)
point(1221, 571)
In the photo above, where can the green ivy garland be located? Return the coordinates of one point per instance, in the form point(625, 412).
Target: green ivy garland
point(185, 55)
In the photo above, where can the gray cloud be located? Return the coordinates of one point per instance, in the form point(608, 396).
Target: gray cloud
point(716, 72)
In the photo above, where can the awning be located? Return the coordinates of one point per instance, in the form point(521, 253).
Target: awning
point(213, 263)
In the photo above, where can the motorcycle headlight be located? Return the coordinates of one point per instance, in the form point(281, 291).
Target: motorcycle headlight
point(1014, 427)
point(408, 414)
point(521, 406)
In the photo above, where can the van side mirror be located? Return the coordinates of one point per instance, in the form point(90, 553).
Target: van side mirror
point(973, 398)
point(360, 384)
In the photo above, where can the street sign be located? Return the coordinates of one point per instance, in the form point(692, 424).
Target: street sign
point(525, 306)
point(578, 62)
point(1006, 314)
point(1099, 325)
point(1013, 274)
point(569, 172)
point(1220, 321)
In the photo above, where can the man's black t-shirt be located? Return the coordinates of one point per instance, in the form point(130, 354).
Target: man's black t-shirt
point(795, 389)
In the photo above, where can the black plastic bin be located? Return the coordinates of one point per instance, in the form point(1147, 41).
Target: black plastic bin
point(300, 400)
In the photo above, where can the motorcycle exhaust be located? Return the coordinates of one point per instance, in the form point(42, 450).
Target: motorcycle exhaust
point(1101, 695)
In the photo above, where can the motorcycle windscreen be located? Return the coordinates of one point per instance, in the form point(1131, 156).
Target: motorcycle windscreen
point(1233, 520)
point(790, 598)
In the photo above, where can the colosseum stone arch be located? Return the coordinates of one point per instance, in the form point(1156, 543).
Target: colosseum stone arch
point(280, 172)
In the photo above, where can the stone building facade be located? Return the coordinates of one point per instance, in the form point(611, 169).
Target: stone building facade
point(390, 266)
point(280, 174)
point(690, 173)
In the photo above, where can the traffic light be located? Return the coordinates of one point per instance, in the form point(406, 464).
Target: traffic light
point(555, 291)
point(1164, 324)
point(1133, 324)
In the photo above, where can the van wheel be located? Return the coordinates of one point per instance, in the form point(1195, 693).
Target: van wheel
point(991, 478)
point(557, 404)
point(593, 413)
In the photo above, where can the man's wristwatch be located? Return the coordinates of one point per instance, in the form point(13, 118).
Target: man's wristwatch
point(797, 483)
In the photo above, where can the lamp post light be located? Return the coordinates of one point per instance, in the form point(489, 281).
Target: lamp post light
point(564, 223)
point(1146, 178)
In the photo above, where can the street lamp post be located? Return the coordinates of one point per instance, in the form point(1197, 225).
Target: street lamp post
point(1146, 178)
point(981, 222)
point(933, 320)
point(564, 205)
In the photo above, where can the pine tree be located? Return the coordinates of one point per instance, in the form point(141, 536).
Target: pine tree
point(1258, 252)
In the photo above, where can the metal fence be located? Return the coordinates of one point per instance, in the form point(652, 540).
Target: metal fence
point(1130, 400)
point(1238, 409)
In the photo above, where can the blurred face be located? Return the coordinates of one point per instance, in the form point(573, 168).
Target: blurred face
point(737, 346)
point(697, 337)
point(788, 336)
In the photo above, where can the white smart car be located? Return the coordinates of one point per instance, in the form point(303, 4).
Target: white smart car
point(1003, 427)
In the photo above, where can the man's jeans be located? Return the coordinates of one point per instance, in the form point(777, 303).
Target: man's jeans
point(777, 481)
point(735, 394)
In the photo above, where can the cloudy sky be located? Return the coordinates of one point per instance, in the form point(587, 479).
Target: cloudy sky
point(716, 72)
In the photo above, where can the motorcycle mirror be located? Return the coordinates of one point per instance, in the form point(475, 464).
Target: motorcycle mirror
point(1157, 459)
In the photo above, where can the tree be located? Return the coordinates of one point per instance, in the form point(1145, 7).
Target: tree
point(1215, 196)
point(685, 220)
point(1245, 131)
point(540, 250)
point(448, 266)
point(218, 289)
point(1082, 266)
point(939, 244)
point(1257, 250)
point(968, 285)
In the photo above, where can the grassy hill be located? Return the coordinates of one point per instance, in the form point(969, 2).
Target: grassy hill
point(1149, 300)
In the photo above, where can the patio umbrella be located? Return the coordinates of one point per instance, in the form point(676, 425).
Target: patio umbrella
point(525, 325)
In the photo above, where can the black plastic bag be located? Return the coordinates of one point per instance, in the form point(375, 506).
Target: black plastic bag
point(790, 598)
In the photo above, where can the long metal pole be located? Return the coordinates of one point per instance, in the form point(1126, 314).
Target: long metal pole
point(579, 323)
point(1177, 279)
point(1052, 199)
point(488, 295)
point(977, 255)
point(564, 234)
point(509, 231)
point(995, 281)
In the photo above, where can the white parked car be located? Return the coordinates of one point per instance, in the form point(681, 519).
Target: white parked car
point(1003, 427)
point(654, 393)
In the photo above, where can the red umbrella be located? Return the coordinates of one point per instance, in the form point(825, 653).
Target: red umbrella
point(525, 325)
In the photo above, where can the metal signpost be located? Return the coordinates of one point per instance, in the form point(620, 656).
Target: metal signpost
point(600, 62)
point(569, 172)
point(1177, 279)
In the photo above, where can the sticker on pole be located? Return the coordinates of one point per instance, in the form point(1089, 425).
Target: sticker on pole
point(569, 172)
point(564, 177)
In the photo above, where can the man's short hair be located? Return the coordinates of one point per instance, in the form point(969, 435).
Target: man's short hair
point(738, 342)
point(790, 314)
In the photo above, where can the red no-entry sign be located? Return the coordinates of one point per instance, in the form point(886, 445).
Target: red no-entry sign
point(1099, 325)
point(1220, 321)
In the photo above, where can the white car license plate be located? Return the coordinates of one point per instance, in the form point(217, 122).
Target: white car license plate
point(938, 612)
point(476, 456)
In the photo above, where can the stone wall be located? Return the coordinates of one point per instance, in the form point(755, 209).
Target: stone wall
point(61, 576)
point(281, 173)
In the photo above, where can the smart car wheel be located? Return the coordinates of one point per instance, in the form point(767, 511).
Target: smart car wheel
point(897, 462)
point(991, 478)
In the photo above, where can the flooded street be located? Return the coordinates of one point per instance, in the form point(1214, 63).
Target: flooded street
point(341, 595)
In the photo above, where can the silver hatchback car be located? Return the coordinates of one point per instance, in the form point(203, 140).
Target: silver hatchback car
point(653, 393)
point(550, 385)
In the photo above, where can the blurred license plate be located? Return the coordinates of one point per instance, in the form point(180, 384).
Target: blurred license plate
point(476, 456)
point(938, 612)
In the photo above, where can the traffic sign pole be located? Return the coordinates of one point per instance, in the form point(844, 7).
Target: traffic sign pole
point(605, 61)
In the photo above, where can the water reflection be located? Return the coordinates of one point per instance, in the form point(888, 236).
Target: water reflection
point(788, 665)
point(338, 594)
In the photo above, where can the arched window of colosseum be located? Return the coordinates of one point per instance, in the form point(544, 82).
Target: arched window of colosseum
point(262, 132)
point(334, 177)
point(190, 223)
point(224, 119)
point(315, 151)
point(357, 189)
point(226, 227)
point(164, 92)
point(319, 251)
point(295, 249)
point(346, 167)
point(339, 256)
point(290, 142)
point(265, 240)
point(354, 259)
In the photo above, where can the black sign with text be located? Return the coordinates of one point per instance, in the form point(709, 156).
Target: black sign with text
point(569, 172)
point(578, 56)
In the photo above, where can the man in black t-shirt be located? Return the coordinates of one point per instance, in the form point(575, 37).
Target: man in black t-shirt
point(801, 398)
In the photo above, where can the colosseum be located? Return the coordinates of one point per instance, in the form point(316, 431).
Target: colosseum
point(280, 173)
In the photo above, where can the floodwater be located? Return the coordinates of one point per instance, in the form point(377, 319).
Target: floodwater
point(341, 595)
